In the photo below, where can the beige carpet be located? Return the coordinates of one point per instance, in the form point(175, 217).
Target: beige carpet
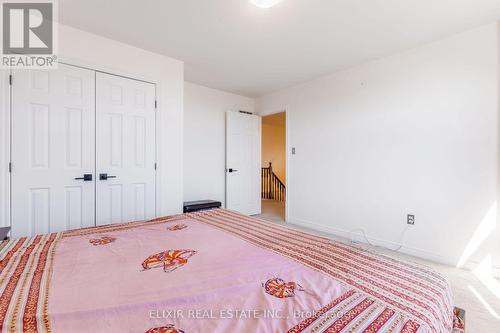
point(482, 306)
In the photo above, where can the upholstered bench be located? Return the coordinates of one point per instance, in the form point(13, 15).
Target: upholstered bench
point(194, 206)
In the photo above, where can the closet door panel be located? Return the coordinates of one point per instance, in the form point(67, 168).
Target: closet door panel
point(53, 143)
point(125, 134)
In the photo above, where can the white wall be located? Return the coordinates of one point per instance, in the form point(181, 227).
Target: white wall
point(89, 50)
point(413, 133)
point(204, 139)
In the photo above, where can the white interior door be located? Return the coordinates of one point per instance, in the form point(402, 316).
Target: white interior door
point(243, 146)
point(53, 134)
point(125, 150)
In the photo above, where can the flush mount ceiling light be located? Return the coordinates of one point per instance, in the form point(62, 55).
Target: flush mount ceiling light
point(264, 3)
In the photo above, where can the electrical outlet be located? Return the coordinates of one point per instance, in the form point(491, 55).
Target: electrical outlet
point(410, 219)
point(293, 150)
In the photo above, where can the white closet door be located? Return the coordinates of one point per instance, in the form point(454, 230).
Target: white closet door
point(125, 134)
point(53, 132)
point(243, 146)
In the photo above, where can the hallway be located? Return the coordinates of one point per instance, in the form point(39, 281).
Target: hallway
point(273, 211)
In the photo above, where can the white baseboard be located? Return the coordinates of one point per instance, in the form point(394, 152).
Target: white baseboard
point(346, 234)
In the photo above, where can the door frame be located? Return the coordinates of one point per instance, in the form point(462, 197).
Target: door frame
point(5, 148)
point(6, 123)
point(288, 153)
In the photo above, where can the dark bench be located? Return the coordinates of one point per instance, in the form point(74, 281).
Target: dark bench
point(3, 233)
point(194, 206)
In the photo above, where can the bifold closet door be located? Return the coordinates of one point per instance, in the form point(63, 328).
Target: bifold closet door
point(53, 147)
point(125, 149)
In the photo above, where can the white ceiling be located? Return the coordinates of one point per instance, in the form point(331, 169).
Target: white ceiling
point(235, 46)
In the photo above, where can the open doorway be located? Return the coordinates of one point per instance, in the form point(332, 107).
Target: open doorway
point(273, 177)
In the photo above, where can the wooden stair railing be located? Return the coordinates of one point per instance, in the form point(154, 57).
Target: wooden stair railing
point(271, 186)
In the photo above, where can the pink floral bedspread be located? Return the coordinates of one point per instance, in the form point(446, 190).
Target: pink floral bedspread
point(212, 271)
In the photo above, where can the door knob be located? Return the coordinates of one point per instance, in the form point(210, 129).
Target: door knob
point(232, 170)
point(86, 177)
point(105, 176)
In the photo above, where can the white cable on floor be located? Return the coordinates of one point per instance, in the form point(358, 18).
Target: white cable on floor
point(385, 247)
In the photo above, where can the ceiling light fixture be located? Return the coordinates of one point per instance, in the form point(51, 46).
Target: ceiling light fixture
point(264, 3)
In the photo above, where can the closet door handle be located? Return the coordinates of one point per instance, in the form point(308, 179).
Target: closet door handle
point(86, 177)
point(105, 176)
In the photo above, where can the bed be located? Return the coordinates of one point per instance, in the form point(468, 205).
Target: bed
point(212, 271)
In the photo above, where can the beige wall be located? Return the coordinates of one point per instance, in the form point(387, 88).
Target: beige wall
point(273, 148)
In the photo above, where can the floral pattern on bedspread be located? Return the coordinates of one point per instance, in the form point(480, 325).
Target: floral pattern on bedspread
point(279, 288)
point(26, 264)
point(165, 329)
point(177, 227)
point(384, 294)
point(170, 260)
point(102, 241)
point(412, 297)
